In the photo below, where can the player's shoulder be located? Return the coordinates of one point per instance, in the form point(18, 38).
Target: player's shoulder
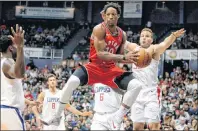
point(151, 48)
point(123, 32)
point(99, 30)
point(58, 90)
point(8, 62)
point(99, 27)
point(45, 92)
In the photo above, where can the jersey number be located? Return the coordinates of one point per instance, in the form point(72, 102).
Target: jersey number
point(101, 96)
point(110, 50)
point(53, 105)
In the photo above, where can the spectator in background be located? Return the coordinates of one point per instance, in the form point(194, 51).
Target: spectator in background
point(76, 56)
point(180, 124)
point(28, 95)
point(31, 64)
point(129, 32)
point(82, 56)
point(185, 66)
point(194, 124)
point(179, 99)
point(128, 125)
point(83, 41)
point(40, 29)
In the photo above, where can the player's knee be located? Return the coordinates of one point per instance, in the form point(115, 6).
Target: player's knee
point(73, 80)
point(82, 75)
point(135, 85)
point(154, 126)
point(138, 126)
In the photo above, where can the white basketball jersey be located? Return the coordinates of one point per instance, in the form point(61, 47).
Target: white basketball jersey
point(11, 91)
point(148, 75)
point(106, 99)
point(50, 103)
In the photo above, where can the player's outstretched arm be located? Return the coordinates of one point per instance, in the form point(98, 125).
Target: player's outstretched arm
point(31, 103)
point(10, 68)
point(40, 99)
point(77, 112)
point(160, 48)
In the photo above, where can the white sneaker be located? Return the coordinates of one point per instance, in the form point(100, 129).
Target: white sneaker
point(114, 125)
point(53, 120)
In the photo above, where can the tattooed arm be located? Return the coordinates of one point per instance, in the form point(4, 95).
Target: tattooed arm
point(99, 43)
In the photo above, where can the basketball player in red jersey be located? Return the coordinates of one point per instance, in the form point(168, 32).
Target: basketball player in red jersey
point(107, 46)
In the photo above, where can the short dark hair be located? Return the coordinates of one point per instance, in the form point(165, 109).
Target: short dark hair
point(5, 42)
point(113, 5)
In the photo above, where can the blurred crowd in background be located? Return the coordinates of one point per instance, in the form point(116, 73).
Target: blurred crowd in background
point(179, 103)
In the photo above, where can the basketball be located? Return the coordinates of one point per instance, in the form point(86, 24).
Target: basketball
point(144, 58)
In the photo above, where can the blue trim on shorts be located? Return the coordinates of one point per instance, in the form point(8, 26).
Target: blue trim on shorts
point(18, 113)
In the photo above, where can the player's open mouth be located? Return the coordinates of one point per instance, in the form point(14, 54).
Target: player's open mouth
point(111, 21)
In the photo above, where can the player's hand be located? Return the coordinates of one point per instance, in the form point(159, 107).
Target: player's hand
point(18, 36)
point(179, 33)
point(86, 113)
point(132, 56)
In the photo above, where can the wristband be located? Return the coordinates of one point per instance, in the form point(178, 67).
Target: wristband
point(124, 57)
point(174, 34)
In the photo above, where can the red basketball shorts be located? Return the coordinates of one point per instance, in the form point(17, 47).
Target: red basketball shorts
point(99, 74)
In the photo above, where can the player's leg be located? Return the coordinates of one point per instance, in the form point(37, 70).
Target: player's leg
point(11, 120)
point(99, 122)
point(46, 127)
point(133, 87)
point(97, 126)
point(152, 113)
point(79, 77)
point(154, 126)
point(137, 116)
point(61, 126)
point(52, 127)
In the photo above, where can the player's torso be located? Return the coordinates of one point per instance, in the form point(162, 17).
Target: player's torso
point(106, 99)
point(148, 75)
point(50, 103)
point(11, 91)
point(113, 44)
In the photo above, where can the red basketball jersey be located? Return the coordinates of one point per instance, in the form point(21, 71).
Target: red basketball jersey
point(113, 43)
